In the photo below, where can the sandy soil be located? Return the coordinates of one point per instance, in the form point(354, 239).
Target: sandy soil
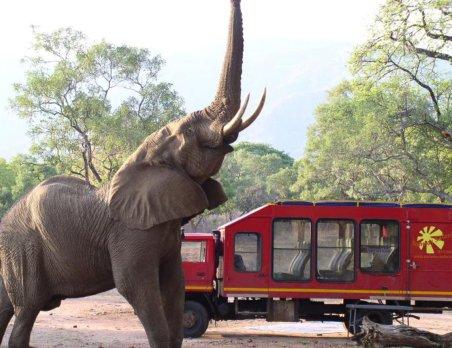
point(106, 320)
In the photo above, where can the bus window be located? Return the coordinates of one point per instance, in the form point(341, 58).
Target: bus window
point(193, 251)
point(380, 247)
point(247, 252)
point(335, 250)
point(291, 249)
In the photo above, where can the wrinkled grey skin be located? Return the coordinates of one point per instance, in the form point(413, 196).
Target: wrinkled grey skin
point(67, 239)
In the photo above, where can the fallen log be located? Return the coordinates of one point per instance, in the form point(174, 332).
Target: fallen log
point(377, 335)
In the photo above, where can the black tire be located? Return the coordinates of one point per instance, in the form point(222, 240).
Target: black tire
point(379, 317)
point(196, 319)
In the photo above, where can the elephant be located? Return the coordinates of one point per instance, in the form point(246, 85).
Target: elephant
point(67, 239)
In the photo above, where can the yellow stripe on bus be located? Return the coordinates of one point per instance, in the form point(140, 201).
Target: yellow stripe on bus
point(338, 291)
point(198, 287)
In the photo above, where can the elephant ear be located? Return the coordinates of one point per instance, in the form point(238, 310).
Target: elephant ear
point(214, 192)
point(142, 196)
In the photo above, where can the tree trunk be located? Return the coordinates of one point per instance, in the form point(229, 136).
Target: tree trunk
point(377, 335)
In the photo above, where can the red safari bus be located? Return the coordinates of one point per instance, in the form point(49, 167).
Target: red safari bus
point(329, 261)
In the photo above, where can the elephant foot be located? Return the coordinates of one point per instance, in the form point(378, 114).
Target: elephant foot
point(167, 344)
point(176, 343)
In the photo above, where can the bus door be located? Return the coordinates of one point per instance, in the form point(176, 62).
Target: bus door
point(382, 252)
point(246, 267)
point(430, 259)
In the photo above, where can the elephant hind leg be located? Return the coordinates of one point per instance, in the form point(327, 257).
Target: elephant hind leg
point(6, 310)
point(20, 336)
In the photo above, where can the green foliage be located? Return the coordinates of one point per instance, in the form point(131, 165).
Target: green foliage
point(255, 174)
point(18, 176)
point(90, 105)
point(386, 135)
point(412, 39)
point(360, 147)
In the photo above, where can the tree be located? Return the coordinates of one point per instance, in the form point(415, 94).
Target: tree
point(360, 147)
point(386, 135)
point(413, 39)
point(90, 105)
point(255, 174)
point(19, 176)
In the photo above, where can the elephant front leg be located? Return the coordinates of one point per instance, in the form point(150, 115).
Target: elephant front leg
point(173, 293)
point(137, 279)
point(146, 301)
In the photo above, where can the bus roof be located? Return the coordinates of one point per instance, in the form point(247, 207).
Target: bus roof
point(366, 204)
point(264, 209)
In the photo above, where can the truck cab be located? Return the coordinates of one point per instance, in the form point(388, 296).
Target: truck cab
point(199, 260)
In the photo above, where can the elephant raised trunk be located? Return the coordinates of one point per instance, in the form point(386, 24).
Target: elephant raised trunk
point(225, 109)
point(227, 98)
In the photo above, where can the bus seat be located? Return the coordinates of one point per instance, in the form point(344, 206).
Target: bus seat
point(336, 256)
point(299, 263)
point(344, 260)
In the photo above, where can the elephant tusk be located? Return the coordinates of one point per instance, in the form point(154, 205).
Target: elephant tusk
point(256, 113)
point(233, 125)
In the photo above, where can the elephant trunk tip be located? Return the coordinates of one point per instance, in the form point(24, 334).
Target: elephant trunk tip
point(227, 99)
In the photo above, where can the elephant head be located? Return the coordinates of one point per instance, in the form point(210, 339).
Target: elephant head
point(169, 176)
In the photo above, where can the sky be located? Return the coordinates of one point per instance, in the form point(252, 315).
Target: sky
point(298, 49)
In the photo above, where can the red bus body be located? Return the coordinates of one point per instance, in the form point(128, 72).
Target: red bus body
point(416, 238)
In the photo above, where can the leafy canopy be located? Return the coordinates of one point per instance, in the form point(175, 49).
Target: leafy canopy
point(255, 174)
point(90, 105)
point(386, 135)
point(412, 39)
point(360, 148)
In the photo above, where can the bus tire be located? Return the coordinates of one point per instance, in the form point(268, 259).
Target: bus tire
point(379, 317)
point(196, 319)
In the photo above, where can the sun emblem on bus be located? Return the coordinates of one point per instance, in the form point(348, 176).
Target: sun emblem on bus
point(429, 237)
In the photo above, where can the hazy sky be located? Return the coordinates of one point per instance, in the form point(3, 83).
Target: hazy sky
point(281, 40)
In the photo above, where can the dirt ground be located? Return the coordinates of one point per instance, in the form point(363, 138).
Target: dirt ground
point(106, 320)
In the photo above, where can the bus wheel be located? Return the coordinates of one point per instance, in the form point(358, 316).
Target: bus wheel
point(196, 319)
point(379, 317)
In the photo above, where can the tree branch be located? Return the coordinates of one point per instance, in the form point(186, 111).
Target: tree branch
point(420, 83)
point(432, 54)
point(431, 35)
point(422, 51)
